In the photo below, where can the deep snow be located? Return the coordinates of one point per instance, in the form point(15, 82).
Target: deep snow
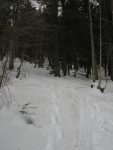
point(48, 113)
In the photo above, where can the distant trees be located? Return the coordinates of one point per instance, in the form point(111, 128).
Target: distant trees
point(67, 32)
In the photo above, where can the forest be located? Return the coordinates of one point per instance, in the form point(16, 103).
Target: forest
point(70, 33)
point(56, 74)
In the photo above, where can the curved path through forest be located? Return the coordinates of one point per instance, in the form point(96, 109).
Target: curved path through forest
point(65, 114)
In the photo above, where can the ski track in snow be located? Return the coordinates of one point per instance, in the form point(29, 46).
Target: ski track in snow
point(69, 116)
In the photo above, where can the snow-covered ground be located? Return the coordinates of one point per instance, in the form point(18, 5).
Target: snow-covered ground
point(42, 112)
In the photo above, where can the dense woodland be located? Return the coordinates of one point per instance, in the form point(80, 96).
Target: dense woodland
point(70, 33)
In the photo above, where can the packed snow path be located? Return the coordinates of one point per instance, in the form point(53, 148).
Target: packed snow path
point(60, 114)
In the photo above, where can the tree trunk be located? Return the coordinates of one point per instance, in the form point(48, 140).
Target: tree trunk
point(3, 71)
point(111, 68)
point(111, 60)
point(56, 65)
point(64, 65)
point(11, 56)
point(94, 63)
point(11, 59)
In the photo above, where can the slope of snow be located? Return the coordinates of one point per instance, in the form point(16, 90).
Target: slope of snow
point(48, 113)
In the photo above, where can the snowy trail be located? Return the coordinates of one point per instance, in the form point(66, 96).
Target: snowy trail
point(66, 114)
point(85, 128)
point(56, 133)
